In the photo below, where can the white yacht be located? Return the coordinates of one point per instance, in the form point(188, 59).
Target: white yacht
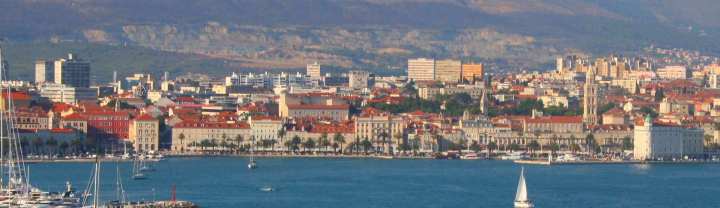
point(514, 156)
point(521, 196)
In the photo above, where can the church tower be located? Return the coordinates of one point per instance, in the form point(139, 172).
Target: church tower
point(590, 99)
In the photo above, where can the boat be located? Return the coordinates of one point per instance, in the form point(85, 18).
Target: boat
point(470, 156)
point(252, 164)
point(15, 187)
point(137, 174)
point(521, 196)
point(514, 156)
point(567, 158)
point(267, 189)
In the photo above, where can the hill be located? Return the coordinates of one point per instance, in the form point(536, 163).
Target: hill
point(377, 35)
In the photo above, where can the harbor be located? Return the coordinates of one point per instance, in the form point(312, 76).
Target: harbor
point(218, 182)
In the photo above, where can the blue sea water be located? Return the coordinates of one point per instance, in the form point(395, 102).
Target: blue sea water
point(367, 183)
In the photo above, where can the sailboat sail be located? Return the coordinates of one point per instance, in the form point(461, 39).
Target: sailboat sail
point(521, 195)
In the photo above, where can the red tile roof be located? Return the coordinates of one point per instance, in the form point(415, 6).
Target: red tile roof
point(318, 107)
point(201, 125)
point(145, 117)
point(555, 119)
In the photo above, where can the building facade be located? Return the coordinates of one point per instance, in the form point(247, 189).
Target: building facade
point(72, 72)
point(472, 72)
point(666, 141)
point(144, 133)
point(313, 70)
point(421, 69)
point(448, 70)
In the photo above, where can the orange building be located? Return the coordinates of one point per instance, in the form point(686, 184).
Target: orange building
point(472, 71)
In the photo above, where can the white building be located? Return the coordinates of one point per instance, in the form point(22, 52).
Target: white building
point(421, 69)
point(313, 70)
point(358, 79)
point(65, 94)
point(654, 141)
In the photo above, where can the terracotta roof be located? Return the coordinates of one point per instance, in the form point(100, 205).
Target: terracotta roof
point(75, 116)
point(17, 95)
point(318, 107)
point(555, 119)
point(615, 112)
point(145, 117)
point(202, 125)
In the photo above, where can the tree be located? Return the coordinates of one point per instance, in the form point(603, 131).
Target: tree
point(366, 144)
point(415, 143)
point(238, 141)
point(554, 147)
point(339, 139)
point(38, 143)
point(324, 142)
point(492, 146)
point(474, 146)
point(182, 142)
point(514, 147)
point(296, 141)
point(574, 148)
point(627, 143)
point(591, 143)
point(64, 145)
point(308, 144)
point(51, 144)
point(533, 146)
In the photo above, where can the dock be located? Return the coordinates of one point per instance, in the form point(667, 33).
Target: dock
point(611, 162)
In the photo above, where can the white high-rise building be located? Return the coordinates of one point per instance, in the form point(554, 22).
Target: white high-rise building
point(421, 69)
point(313, 70)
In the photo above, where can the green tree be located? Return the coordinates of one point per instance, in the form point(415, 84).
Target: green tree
point(181, 137)
point(308, 144)
point(474, 146)
point(533, 146)
point(492, 146)
point(366, 145)
point(339, 139)
point(296, 141)
point(238, 141)
point(627, 143)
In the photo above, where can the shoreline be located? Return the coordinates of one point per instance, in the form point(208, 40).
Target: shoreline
point(610, 162)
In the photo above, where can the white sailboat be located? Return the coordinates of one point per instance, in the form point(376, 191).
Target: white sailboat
point(252, 164)
point(521, 196)
point(136, 173)
point(15, 187)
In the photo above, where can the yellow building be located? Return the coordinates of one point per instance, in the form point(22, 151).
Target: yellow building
point(144, 133)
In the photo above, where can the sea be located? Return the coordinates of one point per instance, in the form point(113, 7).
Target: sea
point(367, 183)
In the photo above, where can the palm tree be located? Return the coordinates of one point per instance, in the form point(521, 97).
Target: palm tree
point(339, 139)
point(238, 141)
point(51, 144)
point(591, 143)
point(574, 148)
point(324, 142)
point(399, 139)
point(64, 145)
point(533, 146)
point(323, 137)
point(37, 143)
point(366, 144)
point(491, 146)
point(308, 144)
point(296, 141)
point(182, 142)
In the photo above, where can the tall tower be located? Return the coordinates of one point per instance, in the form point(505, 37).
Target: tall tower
point(590, 98)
